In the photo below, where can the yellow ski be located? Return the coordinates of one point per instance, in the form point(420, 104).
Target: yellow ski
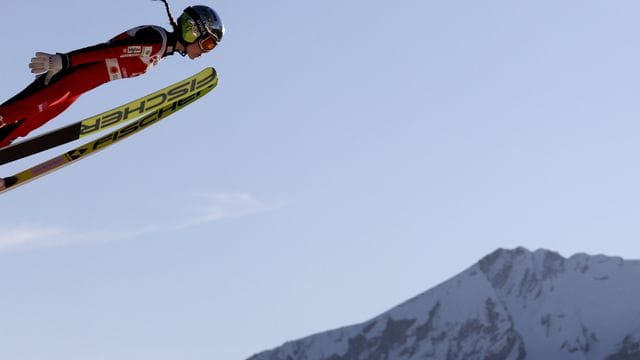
point(113, 117)
point(157, 113)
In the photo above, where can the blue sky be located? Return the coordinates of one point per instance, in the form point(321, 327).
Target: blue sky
point(355, 154)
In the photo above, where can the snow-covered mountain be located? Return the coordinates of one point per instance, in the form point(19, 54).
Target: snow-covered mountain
point(512, 304)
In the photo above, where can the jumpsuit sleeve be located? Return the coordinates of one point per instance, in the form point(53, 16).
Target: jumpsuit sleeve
point(123, 45)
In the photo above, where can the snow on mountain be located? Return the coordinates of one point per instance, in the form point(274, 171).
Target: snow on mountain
point(512, 304)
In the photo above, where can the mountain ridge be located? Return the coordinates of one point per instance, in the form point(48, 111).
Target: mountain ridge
point(511, 304)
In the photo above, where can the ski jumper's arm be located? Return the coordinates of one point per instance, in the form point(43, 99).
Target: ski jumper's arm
point(134, 51)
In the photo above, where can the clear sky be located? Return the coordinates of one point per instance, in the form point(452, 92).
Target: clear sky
point(355, 154)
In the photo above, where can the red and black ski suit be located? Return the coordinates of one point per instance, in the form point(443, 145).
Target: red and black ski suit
point(129, 54)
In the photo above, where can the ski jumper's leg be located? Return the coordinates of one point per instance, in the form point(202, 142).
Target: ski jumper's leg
point(23, 127)
point(39, 103)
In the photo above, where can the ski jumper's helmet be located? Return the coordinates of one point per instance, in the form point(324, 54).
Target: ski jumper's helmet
point(198, 22)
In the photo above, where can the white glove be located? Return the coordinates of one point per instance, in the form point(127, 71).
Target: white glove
point(46, 63)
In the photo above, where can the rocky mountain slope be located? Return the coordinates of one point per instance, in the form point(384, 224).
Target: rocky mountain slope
point(512, 304)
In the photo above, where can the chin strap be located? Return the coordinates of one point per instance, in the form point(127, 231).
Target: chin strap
point(172, 44)
point(181, 52)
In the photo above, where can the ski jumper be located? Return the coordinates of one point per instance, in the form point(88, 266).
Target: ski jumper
point(129, 54)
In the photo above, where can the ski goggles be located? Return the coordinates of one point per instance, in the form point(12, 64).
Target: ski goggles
point(207, 43)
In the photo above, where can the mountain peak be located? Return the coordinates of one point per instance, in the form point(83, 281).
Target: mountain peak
point(521, 268)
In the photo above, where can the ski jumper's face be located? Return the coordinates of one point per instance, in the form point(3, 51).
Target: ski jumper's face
point(194, 51)
point(203, 45)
